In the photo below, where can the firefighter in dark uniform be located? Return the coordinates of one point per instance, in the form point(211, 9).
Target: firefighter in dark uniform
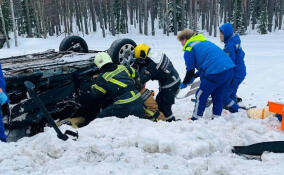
point(117, 82)
point(150, 105)
point(164, 72)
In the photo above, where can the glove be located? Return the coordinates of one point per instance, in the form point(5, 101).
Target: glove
point(182, 86)
point(3, 98)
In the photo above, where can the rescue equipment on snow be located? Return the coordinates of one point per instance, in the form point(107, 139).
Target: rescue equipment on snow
point(193, 88)
point(277, 108)
point(258, 148)
point(31, 90)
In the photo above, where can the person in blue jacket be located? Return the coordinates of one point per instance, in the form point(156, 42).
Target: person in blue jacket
point(214, 66)
point(3, 100)
point(234, 50)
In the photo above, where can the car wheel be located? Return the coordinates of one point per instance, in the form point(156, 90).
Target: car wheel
point(74, 43)
point(122, 51)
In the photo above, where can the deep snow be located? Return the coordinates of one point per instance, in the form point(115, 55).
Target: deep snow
point(135, 146)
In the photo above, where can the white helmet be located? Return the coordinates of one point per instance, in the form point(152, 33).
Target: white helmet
point(101, 59)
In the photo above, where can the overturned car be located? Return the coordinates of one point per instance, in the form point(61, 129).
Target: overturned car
point(62, 81)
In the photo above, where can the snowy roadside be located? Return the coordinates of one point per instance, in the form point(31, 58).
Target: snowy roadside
point(134, 146)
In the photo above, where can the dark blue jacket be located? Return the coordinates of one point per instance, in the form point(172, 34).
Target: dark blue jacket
point(205, 56)
point(234, 50)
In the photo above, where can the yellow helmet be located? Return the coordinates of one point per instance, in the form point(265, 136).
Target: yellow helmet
point(101, 59)
point(141, 51)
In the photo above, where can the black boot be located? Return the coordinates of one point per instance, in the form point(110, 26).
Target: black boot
point(172, 118)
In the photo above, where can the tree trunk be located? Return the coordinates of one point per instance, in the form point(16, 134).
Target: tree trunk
point(43, 18)
point(57, 18)
point(70, 16)
point(4, 27)
point(164, 17)
point(29, 25)
point(207, 17)
point(65, 16)
point(77, 15)
point(101, 19)
point(145, 17)
point(167, 17)
point(235, 16)
point(215, 17)
point(270, 14)
point(104, 11)
point(140, 17)
point(37, 19)
point(195, 15)
point(131, 9)
point(281, 14)
point(211, 18)
point(175, 16)
point(80, 17)
point(93, 15)
point(112, 18)
point(203, 14)
point(85, 18)
point(14, 22)
point(126, 17)
point(190, 12)
point(153, 7)
point(182, 25)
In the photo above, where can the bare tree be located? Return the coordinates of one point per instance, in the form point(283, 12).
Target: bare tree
point(14, 22)
point(175, 16)
point(4, 27)
point(270, 14)
point(281, 14)
point(153, 13)
point(29, 25)
point(182, 16)
point(93, 15)
point(167, 17)
point(42, 17)
point(215, 11)
point(101, 19)
point(195, 15)
point(140, 16)
point(211, 14)
point(145, 17)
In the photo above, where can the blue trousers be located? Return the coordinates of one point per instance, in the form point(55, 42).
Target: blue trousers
point(215, 86)
point(230, 95)
point(2, 130)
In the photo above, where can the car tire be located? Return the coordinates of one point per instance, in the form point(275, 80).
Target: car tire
point(122, 51)
point(68, 43)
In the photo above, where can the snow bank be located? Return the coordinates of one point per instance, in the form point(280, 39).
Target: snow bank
point(137, 146)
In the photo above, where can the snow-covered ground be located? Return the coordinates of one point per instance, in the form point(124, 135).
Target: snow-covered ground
point(135, 146)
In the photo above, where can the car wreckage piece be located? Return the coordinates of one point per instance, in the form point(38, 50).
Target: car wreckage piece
point(63, 82)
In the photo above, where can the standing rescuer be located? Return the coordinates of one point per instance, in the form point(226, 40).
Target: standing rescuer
point(117, 82)
point(164, 72)
point(234, 50)
point(214, 67)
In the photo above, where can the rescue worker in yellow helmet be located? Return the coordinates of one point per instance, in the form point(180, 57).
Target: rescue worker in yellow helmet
point(117, 82)
point(164, 72)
